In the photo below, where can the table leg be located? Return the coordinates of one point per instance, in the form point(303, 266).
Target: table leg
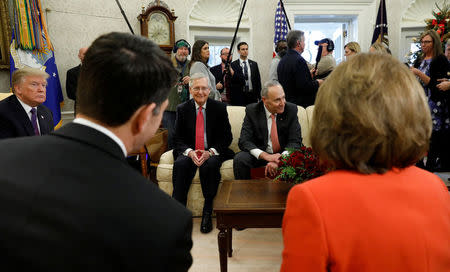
point(223, 246)
point(230, 242)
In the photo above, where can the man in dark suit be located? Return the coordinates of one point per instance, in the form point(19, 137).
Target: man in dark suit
point(202, 137)
point(22, 114)
point(72, 77)
point(270, 126)
point(294, 75)
point(70, 201)
point(246, 81)
point(219, 74)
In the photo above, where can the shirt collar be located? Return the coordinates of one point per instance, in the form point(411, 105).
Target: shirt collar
point(103, 130)
point(25, 106)
point(268, 112)
point(241, 61)
point(197, 106)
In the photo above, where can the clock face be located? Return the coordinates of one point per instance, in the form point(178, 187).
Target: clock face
point(159, 29)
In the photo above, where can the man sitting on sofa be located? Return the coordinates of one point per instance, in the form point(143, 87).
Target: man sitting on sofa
point(201, 140)
point(270, 126)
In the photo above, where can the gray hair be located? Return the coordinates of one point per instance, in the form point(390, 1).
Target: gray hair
point(198, 76)
point(267, 85)
point(447, 44)
point(293, 36)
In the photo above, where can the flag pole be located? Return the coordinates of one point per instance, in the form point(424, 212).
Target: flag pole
point(382, 21)
point(125, 17)
point(285, 14)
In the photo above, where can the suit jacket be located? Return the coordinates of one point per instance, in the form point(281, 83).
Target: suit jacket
point(218, 128)
point(14, 121)
point(294, 76)
point(255, 134)
point(72, 82)
point(238, 82)
point(80, 207)
point(346, 221)
point(218, 75)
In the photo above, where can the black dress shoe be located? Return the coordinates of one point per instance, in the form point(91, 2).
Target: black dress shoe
point(206, 225)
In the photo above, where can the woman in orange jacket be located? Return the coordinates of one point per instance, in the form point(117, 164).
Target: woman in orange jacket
point(376, 211)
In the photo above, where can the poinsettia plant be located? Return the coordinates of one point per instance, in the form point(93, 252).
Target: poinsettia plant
point(441, 22)
point(300, 165)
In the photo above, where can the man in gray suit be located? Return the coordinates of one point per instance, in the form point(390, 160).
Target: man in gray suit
point(270, 126)
point(70, 201)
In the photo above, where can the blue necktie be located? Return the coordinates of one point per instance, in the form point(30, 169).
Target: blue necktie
point(34, 121)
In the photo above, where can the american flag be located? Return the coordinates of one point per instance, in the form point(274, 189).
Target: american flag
point(281, 28)
point(381, 25)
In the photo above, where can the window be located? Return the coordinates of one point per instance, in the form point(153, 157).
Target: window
point(214, 54)
point(317, 27)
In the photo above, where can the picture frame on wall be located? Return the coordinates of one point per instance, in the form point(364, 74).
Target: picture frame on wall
point(5, 35)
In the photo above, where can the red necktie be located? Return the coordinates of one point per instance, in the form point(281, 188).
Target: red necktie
point(200, 131)
point(274, 135)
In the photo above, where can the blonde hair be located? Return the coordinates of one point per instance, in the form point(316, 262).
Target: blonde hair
point(380, 48)
point(371, 115)
point(20, 74)
point(354, 47)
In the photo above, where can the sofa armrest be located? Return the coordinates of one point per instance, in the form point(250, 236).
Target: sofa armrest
point(167, 158)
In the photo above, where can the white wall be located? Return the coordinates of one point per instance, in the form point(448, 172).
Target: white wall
point(73, 24)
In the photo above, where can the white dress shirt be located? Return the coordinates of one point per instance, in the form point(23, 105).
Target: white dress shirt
point(256, 151)
point(213, 151)
point(250, 86)
point(27, 108)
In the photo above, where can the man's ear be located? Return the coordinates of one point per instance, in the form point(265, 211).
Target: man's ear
point(141, 118)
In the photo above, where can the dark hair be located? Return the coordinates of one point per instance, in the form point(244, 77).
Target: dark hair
point(240, 44)
point(120, 73)
point(197, 52)
point(279, 47)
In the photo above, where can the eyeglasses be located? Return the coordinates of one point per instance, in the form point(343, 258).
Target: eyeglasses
point(203, 89)
point(426, 41)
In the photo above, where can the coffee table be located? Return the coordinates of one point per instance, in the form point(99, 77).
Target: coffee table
point(247, 204)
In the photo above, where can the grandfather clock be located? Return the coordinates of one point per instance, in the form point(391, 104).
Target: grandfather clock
point(157, 24)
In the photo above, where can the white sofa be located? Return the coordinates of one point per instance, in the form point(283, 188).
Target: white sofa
point(236, 116)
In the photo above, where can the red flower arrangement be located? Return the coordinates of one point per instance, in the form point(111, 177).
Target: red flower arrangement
point(441, 22)
point(300, 165)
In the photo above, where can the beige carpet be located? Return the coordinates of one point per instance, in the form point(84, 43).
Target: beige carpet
point(254, 250)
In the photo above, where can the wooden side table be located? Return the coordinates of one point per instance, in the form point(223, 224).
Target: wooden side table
point(247, 204)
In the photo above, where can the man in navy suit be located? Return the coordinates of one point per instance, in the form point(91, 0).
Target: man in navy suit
point(22, 114)
point(246, 81)
point(270, 126)
point(70, 201)
point(294, 75)
point(202, 137)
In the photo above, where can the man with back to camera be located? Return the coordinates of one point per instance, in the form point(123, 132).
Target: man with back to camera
point(73, 203)
point(202, 138)
point(294, 75)
point(180, 92)
point(270, 126)
point(73, 74)
point(246, 81)
point(22, 114)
